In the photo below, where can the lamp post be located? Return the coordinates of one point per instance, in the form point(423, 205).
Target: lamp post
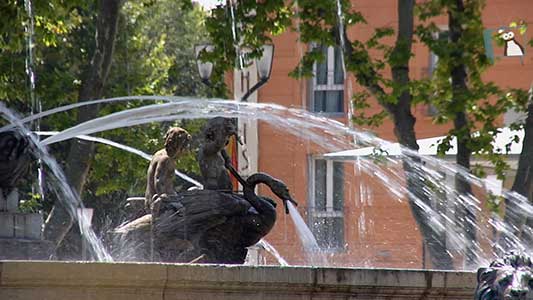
point(205, 68)
point(263, 64)
point(264, 68)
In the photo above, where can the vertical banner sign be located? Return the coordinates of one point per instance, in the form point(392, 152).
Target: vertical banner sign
point(231, 148)
point(506, 41)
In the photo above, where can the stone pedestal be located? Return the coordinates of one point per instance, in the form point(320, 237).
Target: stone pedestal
point(21, 225)
point(21, 236)
point(25, 249)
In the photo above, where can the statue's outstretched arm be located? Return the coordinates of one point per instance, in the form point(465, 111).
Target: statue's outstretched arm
point(229, 166)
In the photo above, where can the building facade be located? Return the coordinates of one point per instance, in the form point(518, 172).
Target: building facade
point(356, 219)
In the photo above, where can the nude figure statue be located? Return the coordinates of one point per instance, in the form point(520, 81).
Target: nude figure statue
point(212, 156)
point(160, 175)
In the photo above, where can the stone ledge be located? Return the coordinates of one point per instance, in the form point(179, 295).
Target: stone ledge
point(131, 281)
point(21, 225)
point(25, 249)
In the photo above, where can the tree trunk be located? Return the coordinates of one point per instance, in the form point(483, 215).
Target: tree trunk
point(523, 183)
point(461, 126)
point(515, 216)
point(404, 123)
point(80, 154)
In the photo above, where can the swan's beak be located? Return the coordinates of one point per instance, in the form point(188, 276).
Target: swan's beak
point(286, 206)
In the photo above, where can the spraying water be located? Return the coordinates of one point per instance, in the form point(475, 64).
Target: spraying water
point(126, 148)
point(29, 61)
point(66, 195)
point(268, 247)
point(36, 105)
point(309, 243)
point(494, 235)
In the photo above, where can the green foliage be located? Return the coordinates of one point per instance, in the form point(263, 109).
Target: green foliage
point(359, 117)
point(54, 23)
point(482, 102)
point(31, 205)
point(494, 203)
point(257, 21)
point(153, 55)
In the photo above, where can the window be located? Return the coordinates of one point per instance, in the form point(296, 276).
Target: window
point(327, 93)
point(442, 35)
point(433, 58)
point(326, 203)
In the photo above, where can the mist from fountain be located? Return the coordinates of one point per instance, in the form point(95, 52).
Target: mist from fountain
point(329, 135)
point(125, 148)
point(69, 199)
point(309, 243)
point(334, 136)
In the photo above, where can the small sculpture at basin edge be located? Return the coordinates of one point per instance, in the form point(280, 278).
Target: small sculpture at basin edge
point(15, 159)
point(508, 278)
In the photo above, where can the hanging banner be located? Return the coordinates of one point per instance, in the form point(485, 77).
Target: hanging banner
point(506, 41)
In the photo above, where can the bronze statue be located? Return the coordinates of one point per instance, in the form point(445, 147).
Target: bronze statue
point(160, 175)
point(214, 225)
point(212, 156)
point(508, 278)
point(15, 159)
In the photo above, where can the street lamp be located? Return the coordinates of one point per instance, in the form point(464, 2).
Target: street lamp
point(263, 65)
point(205, 68)
point(264, 68)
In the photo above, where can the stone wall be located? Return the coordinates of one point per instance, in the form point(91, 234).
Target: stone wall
point(21, 280)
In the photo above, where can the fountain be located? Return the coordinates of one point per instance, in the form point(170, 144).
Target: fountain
point(202, 228)
point(302, 126)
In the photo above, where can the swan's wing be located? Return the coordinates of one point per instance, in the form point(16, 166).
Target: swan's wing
point(212, 202)
point(195, 212)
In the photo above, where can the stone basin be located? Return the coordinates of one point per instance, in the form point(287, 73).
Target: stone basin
point(21, 280)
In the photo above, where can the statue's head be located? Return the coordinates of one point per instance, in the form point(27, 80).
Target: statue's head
point(508, 278)
point(177, 140)
point(220, 126)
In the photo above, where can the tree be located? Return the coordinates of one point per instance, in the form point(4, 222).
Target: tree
point(54, 24)
point(93, 80)
point(153, 55)
point(462, 97)
point(518, 221)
